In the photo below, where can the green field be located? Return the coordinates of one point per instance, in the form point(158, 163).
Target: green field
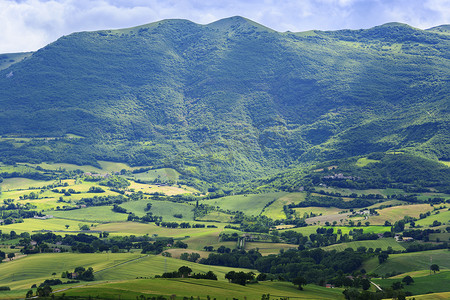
point(364, 161)
point(17, 183)
point(54, 224)
point(97, 214)
point(251, 204)
point(202, 289)
point(443, 216)
point(380, 243)
point(166, 209)
point(408, 262)
point(430, 283)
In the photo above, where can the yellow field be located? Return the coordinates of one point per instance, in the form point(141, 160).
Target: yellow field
point(395, 213)
point(168, 190)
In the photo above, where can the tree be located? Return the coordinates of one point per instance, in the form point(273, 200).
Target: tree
point(29, 294)
point(44, 291)
point(365, 284)
point(408, 280)
point(397, 285)
point(434, 268)
point(67, 226)
point(12, 255)
point(299, 280)
point(382, 257)
point(184, 271)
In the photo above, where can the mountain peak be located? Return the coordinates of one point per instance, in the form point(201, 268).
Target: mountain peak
point(238, 22)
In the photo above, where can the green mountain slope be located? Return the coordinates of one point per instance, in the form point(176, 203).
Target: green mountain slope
point(229, 100)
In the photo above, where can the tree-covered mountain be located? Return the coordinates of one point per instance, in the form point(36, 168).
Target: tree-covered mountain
point(229, 100)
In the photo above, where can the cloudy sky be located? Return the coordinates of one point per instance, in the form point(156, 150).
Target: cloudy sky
point(27, 25)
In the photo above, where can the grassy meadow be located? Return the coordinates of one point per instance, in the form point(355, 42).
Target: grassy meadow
point(409, 262)
point(179, 288)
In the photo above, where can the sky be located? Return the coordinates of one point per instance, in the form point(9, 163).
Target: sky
point(27, 25)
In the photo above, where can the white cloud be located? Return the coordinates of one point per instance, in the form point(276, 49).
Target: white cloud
point(30, 24)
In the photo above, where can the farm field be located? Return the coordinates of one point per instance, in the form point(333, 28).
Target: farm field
point(38, 267)
point(430, 283)
point(269, 248)
point(17, 183)
point(395, 213)
point(409, 262)
point(443, 216)
point(380, 243)
point(202, 288)
point(166, 209)
point(251, 204)
point(53, 224)
point(96, 214)
point(216, 216)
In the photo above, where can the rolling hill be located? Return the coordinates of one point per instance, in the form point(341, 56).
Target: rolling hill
point(230, 100)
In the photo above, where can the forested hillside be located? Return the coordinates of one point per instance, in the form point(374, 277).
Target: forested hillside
point(230, 100)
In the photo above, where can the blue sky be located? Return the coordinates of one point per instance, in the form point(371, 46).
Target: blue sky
point(27, 25)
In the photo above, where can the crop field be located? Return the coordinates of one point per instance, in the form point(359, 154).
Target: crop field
point(434, 296)
point(392, 214)
point(151, 265)
point(127, 228)
point(37, 267)
point(324, 211)
point(96, 214)
point(380, 243)
point(54, 224)
point(162, 189)
point(202, 289)
point(275, 210)
point(166, 209)
point(249, 204)
point(430, 283)
point(366, 229)
point(409, 262)
point(443, 216)
point(269, 248)
point(216, 216)
point(22, 183)
point(321, 220)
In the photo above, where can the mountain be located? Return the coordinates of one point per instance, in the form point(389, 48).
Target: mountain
point(230, 100)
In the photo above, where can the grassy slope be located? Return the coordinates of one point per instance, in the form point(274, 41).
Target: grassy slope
point(430, 283)
point(380, 243)
point(408, 262)
point(203, 288)
point(166, 209)
point(250, 204)
point(342, 97)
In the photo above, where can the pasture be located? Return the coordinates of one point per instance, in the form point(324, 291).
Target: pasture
point(269, 248)
point(54, 224)
point(443, 216)
point(202, 289)
point(395, 213)
point(251, 204)
point(96, 214)
point(430, 283)
point(374, 244)
point(165, 209)
point(275, 210)
point(409, 262)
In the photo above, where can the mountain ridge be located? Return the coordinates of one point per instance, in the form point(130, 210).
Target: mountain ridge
point(229, 99)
